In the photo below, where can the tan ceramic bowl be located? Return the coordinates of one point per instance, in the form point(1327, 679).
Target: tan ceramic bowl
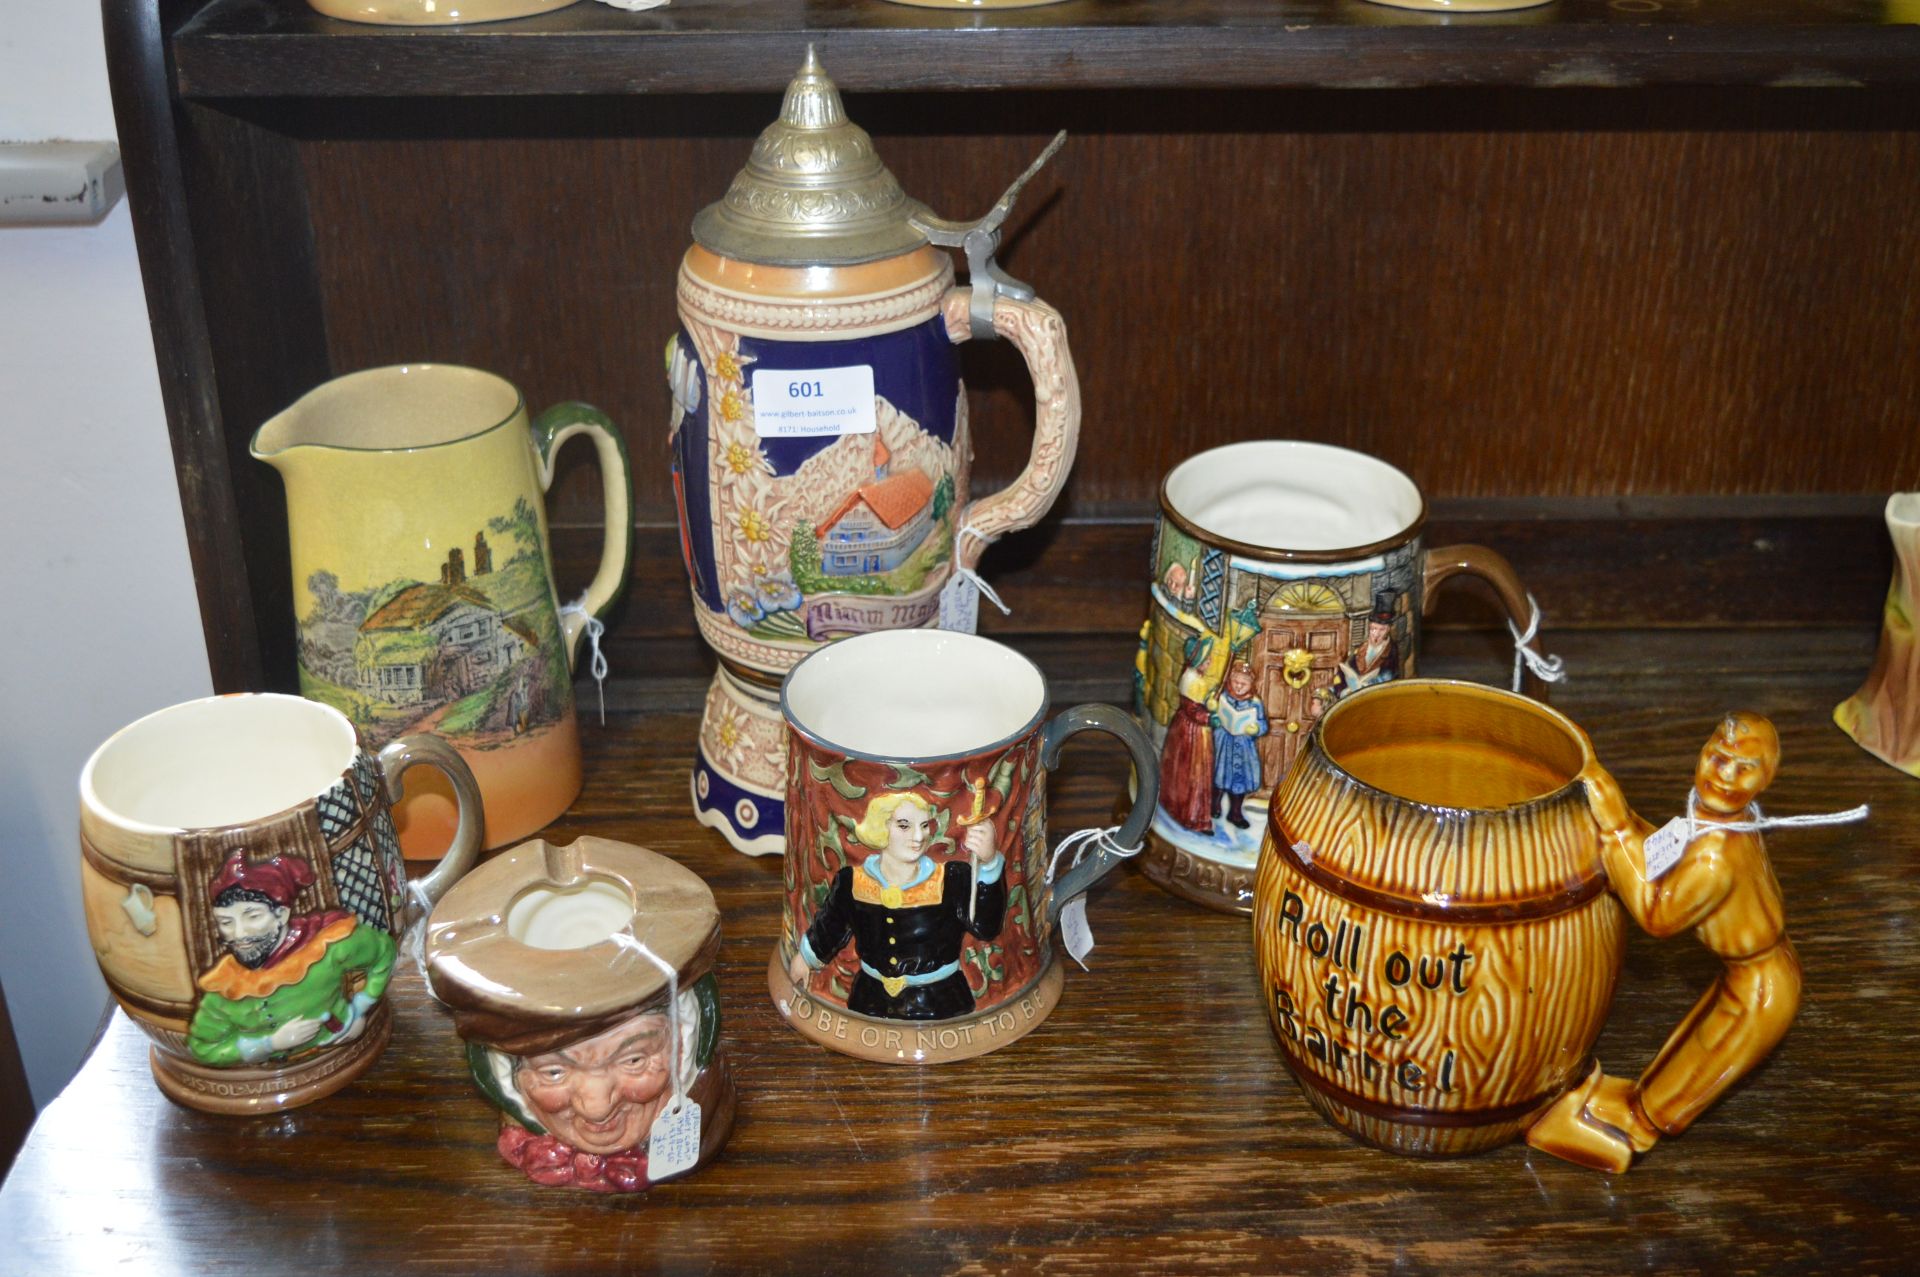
point(433, 13)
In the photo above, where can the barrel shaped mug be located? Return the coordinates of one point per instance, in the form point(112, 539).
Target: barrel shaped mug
point(1437, 945)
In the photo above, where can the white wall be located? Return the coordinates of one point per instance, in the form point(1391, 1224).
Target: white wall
point(103, 624)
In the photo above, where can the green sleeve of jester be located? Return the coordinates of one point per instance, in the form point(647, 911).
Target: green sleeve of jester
point(228, 1030)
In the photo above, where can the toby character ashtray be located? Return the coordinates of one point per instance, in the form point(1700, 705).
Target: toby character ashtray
point(581, 979)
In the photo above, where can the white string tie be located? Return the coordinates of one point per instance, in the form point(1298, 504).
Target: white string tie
point(1761, 820)
point(1090, 837)
point(1548, 669)
point(633, 944)
point(986, 591)
point(594, 627)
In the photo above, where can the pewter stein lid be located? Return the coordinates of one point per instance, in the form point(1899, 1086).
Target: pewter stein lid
point(814, 192)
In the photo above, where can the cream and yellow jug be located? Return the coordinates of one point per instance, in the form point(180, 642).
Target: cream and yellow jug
point(423, 578)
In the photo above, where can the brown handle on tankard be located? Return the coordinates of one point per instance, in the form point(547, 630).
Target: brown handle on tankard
point(1492, 567)
point(1040, 334)
point(408, 751)
point(1722, 888)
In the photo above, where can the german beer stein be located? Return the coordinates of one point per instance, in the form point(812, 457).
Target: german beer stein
point(1440, 915)
point(819, 433)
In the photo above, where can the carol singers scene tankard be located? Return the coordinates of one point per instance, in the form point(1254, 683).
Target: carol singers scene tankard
point(1286, 575)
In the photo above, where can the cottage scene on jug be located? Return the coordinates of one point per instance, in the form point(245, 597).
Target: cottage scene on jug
point(462, 642)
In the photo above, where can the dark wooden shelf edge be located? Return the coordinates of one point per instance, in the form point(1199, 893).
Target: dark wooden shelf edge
point(210, 65)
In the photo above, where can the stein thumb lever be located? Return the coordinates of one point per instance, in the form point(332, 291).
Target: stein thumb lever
point(981, 240)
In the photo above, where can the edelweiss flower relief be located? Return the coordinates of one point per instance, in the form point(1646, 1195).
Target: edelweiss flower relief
point(754, 526)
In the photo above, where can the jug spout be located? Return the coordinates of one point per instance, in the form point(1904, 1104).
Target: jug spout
point(278, 439)
point(402, 408)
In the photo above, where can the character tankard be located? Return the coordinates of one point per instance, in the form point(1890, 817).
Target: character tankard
point(921, 894)
point(1440, 922)
point(243, 888)
point(1285, 576)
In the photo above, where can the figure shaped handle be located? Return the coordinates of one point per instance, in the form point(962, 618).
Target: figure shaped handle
point(1708, 874)
point(1040, 334)
point(1146, 791)
point(551, 430)
point(1448, 561)
point(397, 759)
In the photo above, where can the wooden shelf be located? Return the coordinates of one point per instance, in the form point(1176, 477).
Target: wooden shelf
point(280, 48)
point(1523, 298)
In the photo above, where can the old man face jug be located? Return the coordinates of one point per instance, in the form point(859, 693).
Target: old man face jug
point(581, 978)
point(819, 432)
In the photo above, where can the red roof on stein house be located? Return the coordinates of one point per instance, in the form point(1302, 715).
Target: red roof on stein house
point(893, 501)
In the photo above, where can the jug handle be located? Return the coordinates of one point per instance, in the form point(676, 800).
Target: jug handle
point(1603, 1121)
point(551, 430)
point(470, 833)
point(1447, 561)
point(1040, 335)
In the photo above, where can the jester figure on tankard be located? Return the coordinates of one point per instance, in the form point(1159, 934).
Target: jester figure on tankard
point(287, 983)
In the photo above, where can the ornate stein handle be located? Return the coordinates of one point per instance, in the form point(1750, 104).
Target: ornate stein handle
point(1721, 886)
point(1040, 334)
point(1492, 567)
point(551, 430)
point(406, 752)
point(1146, 768)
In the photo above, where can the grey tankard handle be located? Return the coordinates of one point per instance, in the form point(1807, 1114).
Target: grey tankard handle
point(395, 761)
point(1146, 791)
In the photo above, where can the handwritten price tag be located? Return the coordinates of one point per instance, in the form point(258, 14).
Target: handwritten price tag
point(1074, 931)
point(799, 403)
point(1664, 846)
point(960, 605)
point(674, 1145)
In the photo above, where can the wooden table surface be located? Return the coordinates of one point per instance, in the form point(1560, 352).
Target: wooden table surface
point(1148, 1126)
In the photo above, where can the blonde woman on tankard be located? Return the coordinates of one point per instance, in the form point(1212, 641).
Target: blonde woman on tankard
point(908, 917)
